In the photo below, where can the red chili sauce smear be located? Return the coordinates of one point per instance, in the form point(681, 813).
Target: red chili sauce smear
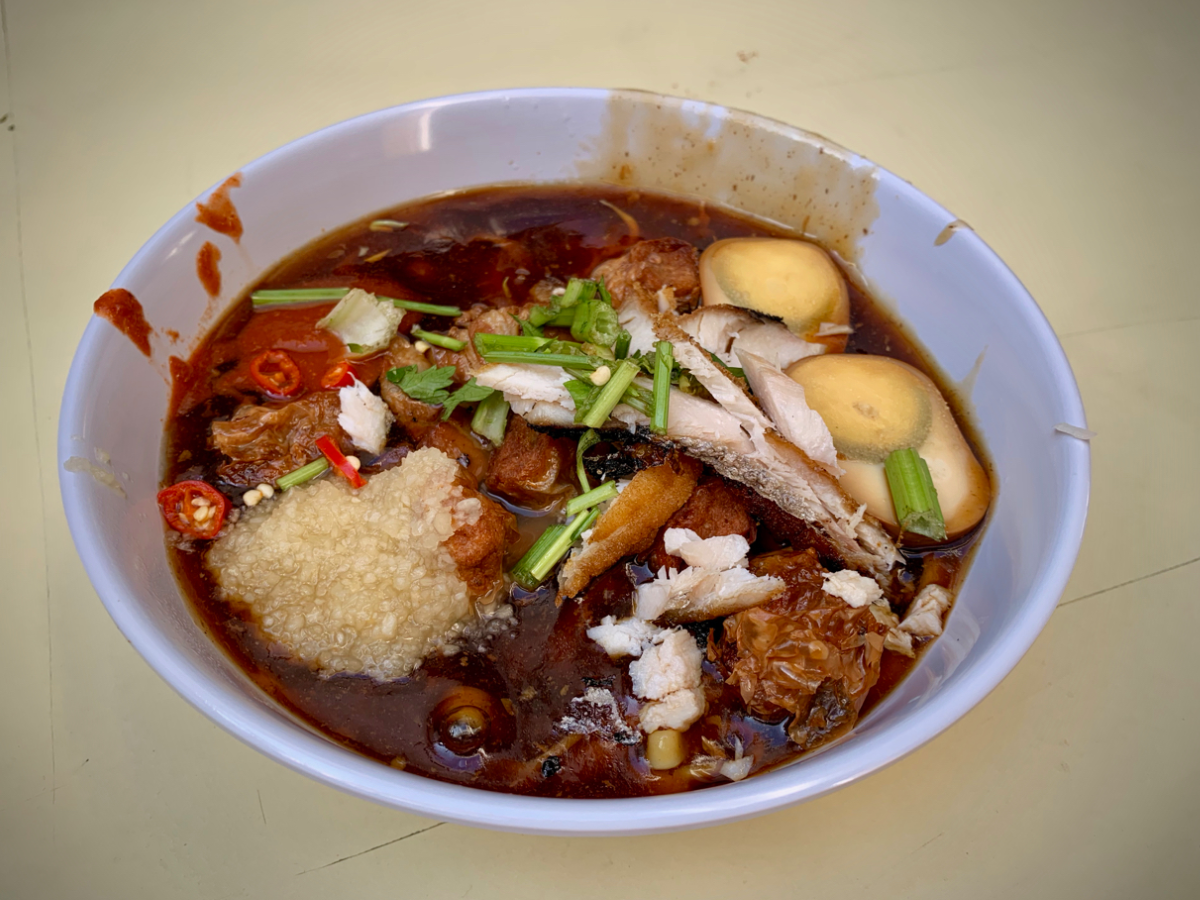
point(207, 269)
point(124, 311)
point(219, 213)
point(489, 245)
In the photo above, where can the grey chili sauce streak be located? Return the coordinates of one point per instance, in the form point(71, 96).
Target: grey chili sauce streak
point(449, 254)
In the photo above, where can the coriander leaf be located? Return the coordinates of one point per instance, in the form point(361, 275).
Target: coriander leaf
point(428, 386)
point(584, 394)
point(355, 348)
point(580, 392)
point(468, 393)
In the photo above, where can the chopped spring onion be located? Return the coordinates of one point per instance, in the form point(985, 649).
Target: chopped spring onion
point(577, 289)
point(639, 398)
point(302, 474)
point(439, 340)
point(387, 225)
point(561, 310)
point(549, 549)
point(296, 295)
point(913, 495)
point(488, 343)
point(432, 309)
point(589, 440)
point(565, 360)
point(610, 395)
point(621, 350)
point(521, 572)
point(664, 362)
point(312, 295)
point(491, 418)
point(604, 294)
point(594, 497)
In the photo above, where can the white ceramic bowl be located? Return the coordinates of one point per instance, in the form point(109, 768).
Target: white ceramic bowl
point(956, 294)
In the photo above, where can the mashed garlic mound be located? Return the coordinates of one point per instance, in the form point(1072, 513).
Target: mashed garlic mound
point(355, 581)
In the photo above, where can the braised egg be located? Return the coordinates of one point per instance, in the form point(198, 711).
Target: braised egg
point(875, 405)
point(792, 280)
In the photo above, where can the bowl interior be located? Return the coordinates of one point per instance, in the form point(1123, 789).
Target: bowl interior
point(957, 296)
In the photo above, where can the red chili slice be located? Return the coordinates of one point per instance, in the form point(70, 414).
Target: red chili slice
point(184, 503)
point(341, 374)
point(326, 445)
point(276, 373)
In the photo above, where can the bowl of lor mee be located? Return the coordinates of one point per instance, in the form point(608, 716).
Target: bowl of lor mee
point(573, 461)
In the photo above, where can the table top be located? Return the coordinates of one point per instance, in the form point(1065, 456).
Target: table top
point(1064, 132)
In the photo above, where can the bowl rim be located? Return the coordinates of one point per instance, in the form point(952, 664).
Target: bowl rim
point(320, 758)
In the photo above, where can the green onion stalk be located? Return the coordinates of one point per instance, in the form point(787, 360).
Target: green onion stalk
point(439, 340)
point(296, 296)
point(302, 474)
point(913, 495)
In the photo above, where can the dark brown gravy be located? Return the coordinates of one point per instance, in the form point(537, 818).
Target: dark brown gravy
point(448, 254)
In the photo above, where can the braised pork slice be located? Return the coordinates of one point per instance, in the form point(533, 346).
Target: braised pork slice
point(714, 510)
point(654, 265)
point(479, 548)
point(477, 320)
point(265, 442)
point(530, 468)
point(651, 277)
point(414, 416)
point(806, 654)
point(461, 445)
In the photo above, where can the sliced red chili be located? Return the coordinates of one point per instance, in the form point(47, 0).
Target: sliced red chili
point(336, 459)
point(276, 373)
point(194, 508)
point(341, 374)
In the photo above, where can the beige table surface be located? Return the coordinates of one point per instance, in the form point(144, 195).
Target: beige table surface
point(1066, 133)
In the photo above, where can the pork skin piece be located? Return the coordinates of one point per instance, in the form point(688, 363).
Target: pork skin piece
point(265, 442)
point(806, 654)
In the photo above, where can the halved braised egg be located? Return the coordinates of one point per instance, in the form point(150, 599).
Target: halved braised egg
point(793, 280)
point(874, 405)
